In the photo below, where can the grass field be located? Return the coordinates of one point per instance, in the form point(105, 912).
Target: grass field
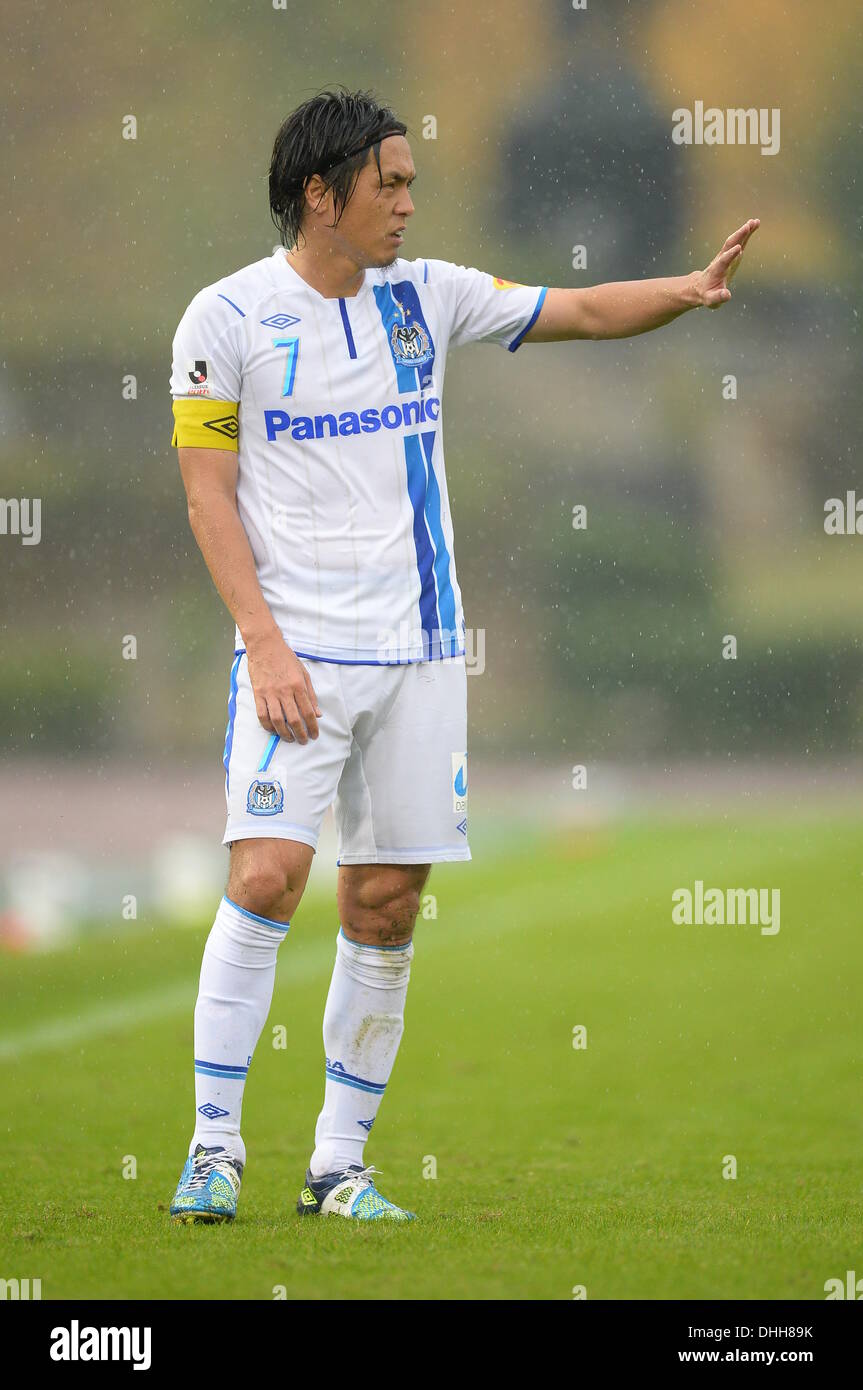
point(556, 1167)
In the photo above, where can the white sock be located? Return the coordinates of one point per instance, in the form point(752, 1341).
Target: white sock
point(234, 997)
point(363, 1025)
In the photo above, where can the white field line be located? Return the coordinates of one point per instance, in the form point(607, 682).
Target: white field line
point(120, 1015)
point(482, 915)
point(117, 1016)
point(480, 912)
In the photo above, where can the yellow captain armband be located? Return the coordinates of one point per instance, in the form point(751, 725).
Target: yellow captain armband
point(205, 424)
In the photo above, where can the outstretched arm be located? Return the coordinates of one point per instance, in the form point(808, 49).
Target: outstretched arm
point(625, 308)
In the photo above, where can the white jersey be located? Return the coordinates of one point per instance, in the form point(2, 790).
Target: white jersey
point(334, 408)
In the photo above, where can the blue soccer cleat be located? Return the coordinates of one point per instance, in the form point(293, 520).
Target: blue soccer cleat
point(350, 1192)
point(209, 1186)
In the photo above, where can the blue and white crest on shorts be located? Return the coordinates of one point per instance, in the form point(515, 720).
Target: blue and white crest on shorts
point(266, 797)
point(459, 782)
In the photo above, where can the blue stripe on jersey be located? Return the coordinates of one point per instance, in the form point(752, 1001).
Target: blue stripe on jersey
point(391, 313)
point(412, 311)
point(425, 272)
point(516, 342)
point(417, 487)
point(399, 303)
point(347, 661)
point(352, 352)
point(233, 305)
point(368, 661)
point(232, 714)
point(445, 596)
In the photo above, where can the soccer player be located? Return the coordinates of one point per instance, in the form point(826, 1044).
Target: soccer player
point(307, 394)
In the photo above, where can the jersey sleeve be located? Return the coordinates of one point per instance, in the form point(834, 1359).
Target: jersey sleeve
point(485, 308)
point(206, 375)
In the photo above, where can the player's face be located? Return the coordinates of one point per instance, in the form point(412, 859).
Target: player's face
point(367, 230)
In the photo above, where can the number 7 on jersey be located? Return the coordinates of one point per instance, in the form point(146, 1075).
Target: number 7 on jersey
point(293, 346)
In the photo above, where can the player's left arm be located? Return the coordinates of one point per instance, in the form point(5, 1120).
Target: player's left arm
point(625, 308)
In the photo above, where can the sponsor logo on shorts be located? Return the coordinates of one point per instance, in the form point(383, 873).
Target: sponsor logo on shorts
point(265, 798)
point(459, 782)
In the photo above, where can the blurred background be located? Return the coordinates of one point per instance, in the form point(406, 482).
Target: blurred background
point(602, 646)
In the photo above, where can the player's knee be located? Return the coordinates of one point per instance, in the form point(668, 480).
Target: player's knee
point(261, 883)
point(379, 894)
point(384, 906)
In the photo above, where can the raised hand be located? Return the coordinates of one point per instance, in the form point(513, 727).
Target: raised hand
point(712, 283)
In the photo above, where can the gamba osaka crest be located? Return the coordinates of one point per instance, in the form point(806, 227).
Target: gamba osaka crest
point(265, 798)
point(410, 343)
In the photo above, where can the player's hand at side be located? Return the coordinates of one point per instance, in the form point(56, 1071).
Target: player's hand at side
point(285, 698)
point(712, 283)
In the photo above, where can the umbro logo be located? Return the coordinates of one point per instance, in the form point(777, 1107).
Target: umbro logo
point(228, 425)
point(366, 1124)
point(211, 1111)
point(280, 321)
point(462, 826)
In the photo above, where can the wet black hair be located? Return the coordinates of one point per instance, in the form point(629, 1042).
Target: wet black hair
point(330, 135)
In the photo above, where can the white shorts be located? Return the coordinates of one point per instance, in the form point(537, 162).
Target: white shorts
point(391, 758)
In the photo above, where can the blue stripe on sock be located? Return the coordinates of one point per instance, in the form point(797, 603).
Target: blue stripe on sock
point(363, 947)
point(253, 916)
point(221, 1075)
point(221, 1066)
point(356, 1082)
